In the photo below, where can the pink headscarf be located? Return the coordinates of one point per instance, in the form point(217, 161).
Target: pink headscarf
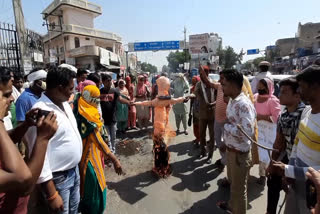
point(272, 102)
point(270, 87)
point(141, 87)
point(84, 84)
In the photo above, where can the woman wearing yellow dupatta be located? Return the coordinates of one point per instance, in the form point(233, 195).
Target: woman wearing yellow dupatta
point(246, 89)
point(93, 188)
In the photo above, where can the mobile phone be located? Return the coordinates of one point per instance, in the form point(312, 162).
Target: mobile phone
point(42, 113)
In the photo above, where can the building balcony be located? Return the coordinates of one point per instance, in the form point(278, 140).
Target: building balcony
point(83, 31)
point(81, 4)
point(89, 50)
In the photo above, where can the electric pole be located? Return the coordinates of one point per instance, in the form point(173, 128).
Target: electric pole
point(21, 31)
point(185, 43)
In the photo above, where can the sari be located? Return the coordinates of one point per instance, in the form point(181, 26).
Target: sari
point(93, 189)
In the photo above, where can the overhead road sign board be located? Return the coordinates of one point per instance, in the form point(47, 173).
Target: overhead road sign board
point(271, 47)
point(155, 46)
point(253, 51)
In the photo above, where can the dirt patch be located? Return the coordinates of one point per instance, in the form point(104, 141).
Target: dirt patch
point(128, 147)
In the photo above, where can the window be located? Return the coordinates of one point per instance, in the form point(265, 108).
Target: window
point(66, 38)
point(87, 38)
point(76, 42)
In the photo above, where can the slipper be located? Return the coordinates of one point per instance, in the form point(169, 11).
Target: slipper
point(224, 206)
point(224, 183)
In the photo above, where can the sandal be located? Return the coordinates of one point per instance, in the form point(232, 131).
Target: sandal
point(224, 206)
point(224, 183)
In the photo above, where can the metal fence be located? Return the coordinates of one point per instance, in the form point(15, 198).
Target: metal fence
point(9, 47)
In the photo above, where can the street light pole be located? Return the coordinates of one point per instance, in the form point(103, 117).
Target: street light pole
point(185, 43)
point(127, 64)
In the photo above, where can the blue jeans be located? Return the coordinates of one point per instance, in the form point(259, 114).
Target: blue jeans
point(112, 132)
point(68, 185)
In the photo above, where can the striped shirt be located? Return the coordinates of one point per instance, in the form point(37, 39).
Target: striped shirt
point(306, 148)
point(221, 106)
point(288, 124)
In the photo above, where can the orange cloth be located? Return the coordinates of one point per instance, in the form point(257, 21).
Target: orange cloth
point(93, 145)
point(88, 109)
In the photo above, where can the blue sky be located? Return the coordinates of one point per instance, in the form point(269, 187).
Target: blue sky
point(241, 23)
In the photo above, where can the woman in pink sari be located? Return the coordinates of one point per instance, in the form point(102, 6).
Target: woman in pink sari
point(268, 110)
point(142, 93)
point(132, 109)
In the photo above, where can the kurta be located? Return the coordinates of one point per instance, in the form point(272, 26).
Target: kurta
point(179, 87)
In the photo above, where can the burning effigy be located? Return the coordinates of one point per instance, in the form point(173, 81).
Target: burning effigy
point(162, 131)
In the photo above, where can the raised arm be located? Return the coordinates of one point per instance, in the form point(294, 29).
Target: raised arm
point(17, 134)
point(205, 79)
point(177, 100)
point(46, 128)
point(14, 173)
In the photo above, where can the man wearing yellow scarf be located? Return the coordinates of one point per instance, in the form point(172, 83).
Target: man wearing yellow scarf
point(93, 188)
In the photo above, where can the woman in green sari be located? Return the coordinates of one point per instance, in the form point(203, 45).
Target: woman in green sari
point(93, 190)
point(122, 112)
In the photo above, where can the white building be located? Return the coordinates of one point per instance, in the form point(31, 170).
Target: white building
point(73, 39)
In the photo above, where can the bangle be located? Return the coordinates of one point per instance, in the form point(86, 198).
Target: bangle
point(1, 120)
point(54, 196)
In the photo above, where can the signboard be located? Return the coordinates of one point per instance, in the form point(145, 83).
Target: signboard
point(104, 57)
point(253, 51)
point(53, 59)
point(37, 57)
point(271, 47)
point(27, 65)
point(186, 66)
point(71, 61)
point(198, 43)
point(155, 46)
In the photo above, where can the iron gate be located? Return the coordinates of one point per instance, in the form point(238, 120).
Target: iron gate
point(9, 47)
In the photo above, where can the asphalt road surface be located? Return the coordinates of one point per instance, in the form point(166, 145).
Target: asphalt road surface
point(192, 188)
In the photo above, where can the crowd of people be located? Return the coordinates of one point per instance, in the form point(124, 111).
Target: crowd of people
point(58, 129)
point(253, 125)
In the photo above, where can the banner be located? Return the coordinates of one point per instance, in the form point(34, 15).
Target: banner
point(104, 57)
point(199, 43)
point(266, 136)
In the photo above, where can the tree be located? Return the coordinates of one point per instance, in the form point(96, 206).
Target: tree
point(165, 69)
point(228, 57)
point(176, 58)
point(247, 65)
point(257, 61)
point(147, 67)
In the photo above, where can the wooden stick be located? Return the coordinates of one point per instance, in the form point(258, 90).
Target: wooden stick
point(283, 203)
point(269, 153)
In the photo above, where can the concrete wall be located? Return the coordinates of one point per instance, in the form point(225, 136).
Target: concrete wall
point(287, 46)
point(78, 17)
point(307, 33)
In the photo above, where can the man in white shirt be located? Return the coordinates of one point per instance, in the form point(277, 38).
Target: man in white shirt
point(264, 67)
point(59, 178)
point(240, 111)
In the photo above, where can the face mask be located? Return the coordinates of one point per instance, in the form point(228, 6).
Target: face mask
point(43, 85)
point(262, 92)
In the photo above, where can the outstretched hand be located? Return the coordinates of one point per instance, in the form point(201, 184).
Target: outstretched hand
point(186, 99)
point(117, 167)
point(314, 176)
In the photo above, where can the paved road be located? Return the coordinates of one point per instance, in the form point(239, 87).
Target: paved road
point(192, 188)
